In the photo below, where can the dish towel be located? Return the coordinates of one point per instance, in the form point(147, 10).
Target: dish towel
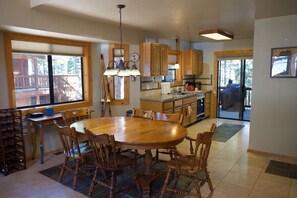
point(189, 111)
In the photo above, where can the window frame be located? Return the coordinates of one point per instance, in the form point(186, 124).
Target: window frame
point(86, 63)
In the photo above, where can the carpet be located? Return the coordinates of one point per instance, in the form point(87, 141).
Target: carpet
point(225, 131)
point(282, 169)
point(124, 176)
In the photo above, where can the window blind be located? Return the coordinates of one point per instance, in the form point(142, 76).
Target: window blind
point(45, 48)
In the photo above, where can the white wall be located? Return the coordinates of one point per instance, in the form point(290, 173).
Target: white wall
point(274, 109)
point(208, 54)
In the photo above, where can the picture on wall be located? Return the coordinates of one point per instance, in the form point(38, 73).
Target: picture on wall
point(283, 62)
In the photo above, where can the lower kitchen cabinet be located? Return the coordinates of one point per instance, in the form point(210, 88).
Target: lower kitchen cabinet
point(207, 104)
point(187, 106)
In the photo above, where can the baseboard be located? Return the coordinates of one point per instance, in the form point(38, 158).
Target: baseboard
point(267, 154)
point(37, 156)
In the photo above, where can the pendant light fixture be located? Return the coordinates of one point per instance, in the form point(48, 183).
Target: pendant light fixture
point(121, 68)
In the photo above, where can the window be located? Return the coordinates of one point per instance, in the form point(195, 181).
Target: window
point(171, 77)
point(48, 71)
point(54, 78)
point(119, 86)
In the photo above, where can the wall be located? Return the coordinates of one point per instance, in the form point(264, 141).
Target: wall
point(208, 55)
point(19, 16)
point(4, 102)
point(120, 110)
point(274, 110)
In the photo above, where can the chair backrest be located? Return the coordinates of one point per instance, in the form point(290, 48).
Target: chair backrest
point(69, 139)
point(72, 116)
point(173, 117)
point(201, 151)
point(140, 113)
point(104, 148)
point(213, 128)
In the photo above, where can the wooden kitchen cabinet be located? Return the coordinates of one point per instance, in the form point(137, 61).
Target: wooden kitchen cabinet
point(153, 59)
point(207, 104)
point(175, 106)
point(191, 103)
point(193, 62)
point(156, 106)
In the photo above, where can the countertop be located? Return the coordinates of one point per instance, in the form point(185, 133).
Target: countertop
point(173, 96)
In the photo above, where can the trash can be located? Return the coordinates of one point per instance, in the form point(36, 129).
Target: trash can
point(129, 113)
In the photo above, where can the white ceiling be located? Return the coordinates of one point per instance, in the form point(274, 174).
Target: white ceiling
point(181, 19)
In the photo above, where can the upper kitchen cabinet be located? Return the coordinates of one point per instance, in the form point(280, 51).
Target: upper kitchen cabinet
point(193, 62)
point(153, 59)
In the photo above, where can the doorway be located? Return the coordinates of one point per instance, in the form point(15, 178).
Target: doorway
point(234, 87)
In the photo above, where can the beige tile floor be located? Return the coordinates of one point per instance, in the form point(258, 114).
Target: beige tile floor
point(234, 172)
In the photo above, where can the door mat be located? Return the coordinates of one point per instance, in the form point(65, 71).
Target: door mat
point(282, 169)
point(225, 131)
point(123, 177)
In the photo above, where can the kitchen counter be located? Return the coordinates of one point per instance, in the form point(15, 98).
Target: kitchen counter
point(173, 96)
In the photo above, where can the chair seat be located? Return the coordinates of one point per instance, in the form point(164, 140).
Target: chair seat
point(122, 161)
point(83, 147)
point(185, 163)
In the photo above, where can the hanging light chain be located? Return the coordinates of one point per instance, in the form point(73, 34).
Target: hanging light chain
point(121, 31)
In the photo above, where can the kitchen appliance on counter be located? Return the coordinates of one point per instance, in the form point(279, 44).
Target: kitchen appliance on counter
point(190, 86)
point(165, 88)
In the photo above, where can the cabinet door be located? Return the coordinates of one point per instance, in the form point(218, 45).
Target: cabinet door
point(164, 60)
point(186, 119)
point(155, 59)
point(207, 104)
point(194, 113)
point(199, 62)
point(194, 62)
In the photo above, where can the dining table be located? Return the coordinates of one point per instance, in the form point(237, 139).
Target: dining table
point(140, 134)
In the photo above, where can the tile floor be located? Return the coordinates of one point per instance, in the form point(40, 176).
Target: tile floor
point(234, 172)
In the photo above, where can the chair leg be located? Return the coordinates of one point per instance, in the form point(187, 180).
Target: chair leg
point(136, 180)
point(113, 179)
point(157, 155)
point(93, 183)
point(208, 180)
point(75, 174)
point(166, 182)
point(198, 193)
point(63, 169)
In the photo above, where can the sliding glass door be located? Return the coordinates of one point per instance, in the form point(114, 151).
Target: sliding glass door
point(234, 88)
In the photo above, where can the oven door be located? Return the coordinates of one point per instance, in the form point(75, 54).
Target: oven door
point(200, 108)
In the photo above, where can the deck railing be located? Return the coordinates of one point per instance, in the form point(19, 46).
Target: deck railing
point(41, 81)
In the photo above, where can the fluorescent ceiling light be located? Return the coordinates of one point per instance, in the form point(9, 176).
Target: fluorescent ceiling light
point(217, 34)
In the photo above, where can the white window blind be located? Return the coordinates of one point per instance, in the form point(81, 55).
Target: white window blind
point(45, 48)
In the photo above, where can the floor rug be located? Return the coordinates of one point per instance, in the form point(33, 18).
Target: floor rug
point(282, 169)
point(225, 131)
point(124, 176)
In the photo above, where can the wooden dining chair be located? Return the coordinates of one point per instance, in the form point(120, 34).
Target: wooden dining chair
point(71, 116)
point(191, 166)
point(74, 152)
point(176, 118)
point(212, 129)
point(140, 113)
point(108, 162)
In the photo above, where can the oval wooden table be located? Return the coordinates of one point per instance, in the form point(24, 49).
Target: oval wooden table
point(137, 133)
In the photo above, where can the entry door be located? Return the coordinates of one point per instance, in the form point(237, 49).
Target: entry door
point(234, 88)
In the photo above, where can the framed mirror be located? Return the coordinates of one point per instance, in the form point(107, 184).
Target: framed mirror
point(283, 62)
